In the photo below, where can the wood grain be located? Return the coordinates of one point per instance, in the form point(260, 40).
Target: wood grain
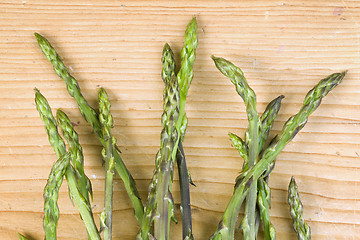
point(284, 47)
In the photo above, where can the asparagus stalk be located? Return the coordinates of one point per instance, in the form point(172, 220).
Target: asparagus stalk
point(91, 116)
point(59, 147)
point(106, 121)
point(77, 157)
point(268, 118)
point(301, 228)
point(51, 194)
point(263, 201)
point(184, 77)
point(185, 74)
point(167, 73)
point(169, 140)
point(248, 95)
point(264, 194)
point(295, 123)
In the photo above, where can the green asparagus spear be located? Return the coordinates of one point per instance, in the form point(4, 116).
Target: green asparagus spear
point(301, 228)
point(268, 118)
point(22, 237)
point(264, 199)
point(291, 128)
point(185, 74)
point(106, 121)
point(77, 157)
point(169, 140)
point(167, 73)
point(184, 77)
point(51, 194)
point(59, 147)
point(160, 201)
point(92, 117)
point(251, 140)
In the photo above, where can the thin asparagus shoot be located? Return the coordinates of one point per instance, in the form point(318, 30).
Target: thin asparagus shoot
point(91, 116)
point(51, 195)
point(301, 228)
point(184, 78)
point(58, 145)
point(106, 121)
point(291, 128)
point(77, 157)
point(251, 139)
point(167, 73)
point(169, 140)
point(264, 193)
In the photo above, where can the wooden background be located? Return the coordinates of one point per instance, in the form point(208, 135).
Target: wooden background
point(284, 47)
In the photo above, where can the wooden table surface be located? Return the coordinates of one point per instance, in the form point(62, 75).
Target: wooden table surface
point(284, 47)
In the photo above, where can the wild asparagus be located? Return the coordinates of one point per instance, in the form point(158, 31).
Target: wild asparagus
point(167, 73)
point(291, 128)
point(251, 140)
point(92, 117)
point(264, 195)
point(106, 121)
point(301, 228)
point(268, 118)
point(77, 158)
point(51, 194)
point(169, 140)
point(184, 78)
point(160, 202)
point(59, 147)
point(185, 74)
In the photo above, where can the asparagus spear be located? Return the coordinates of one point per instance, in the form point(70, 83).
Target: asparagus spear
point(59, 147)
point(248, 95)
point(92, 117)
point(77, 158)
point(51, 194)
point(264, 197)
point(169, 140)
point(295, 123)
point(106, 121)
point(184, 77)
point(167, 73)
point(185, 74)
point(301, 228)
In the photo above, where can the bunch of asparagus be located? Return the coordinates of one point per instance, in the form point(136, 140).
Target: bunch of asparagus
point(259, 159)
point(159, 208)
point(155, 216)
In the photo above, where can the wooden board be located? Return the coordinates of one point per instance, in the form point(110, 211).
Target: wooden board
point(284, 47)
